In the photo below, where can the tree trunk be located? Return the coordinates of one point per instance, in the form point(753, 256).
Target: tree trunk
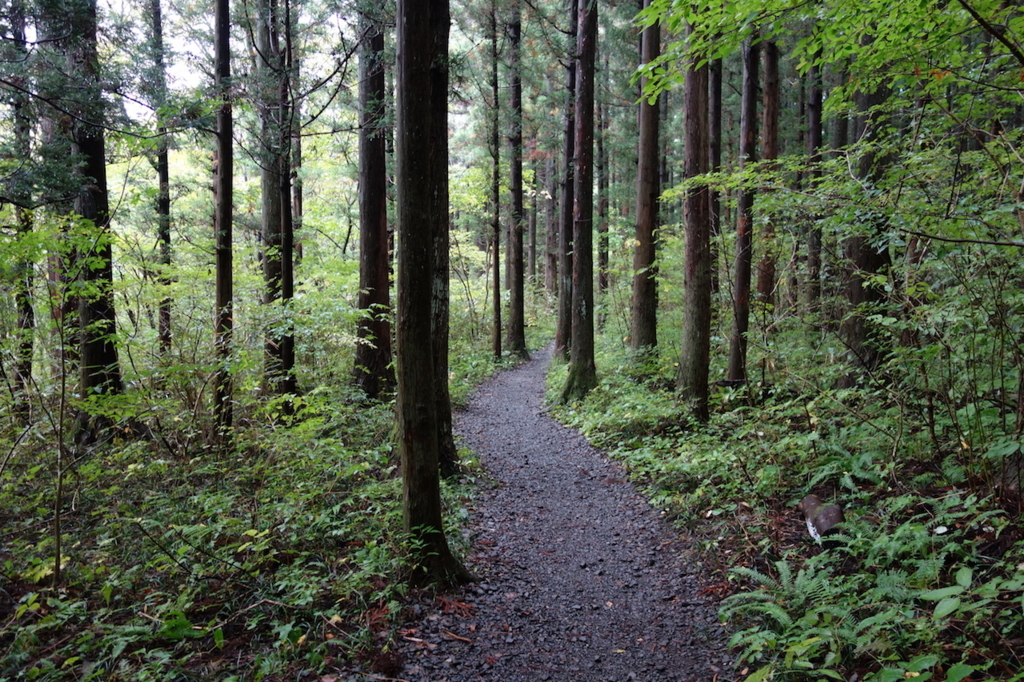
point(373, 372)
point(563, 327)
point(440, 24)
point(744, 225)
point(715, 122)
point(222, 223)
point(163, 200)
point(814, 141)
point(601, 170)
point(416, 405)
point(582, 370)
point(692, 379)
point(516, 339)
point(551, 226)
point(769, 153)
point(645, 274)
point(495, 185)
point(98, 361)
point(22, 197)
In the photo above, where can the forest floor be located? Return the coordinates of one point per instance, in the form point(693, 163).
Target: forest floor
point(579, 577)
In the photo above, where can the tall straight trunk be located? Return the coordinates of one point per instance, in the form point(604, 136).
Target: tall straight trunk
point(645, 275)
point(563, 326)
point(531, 226)
point(23, 219)
point(715, 122)
point(276, 129)
point(582, 370)
point(416, 405)
point(440, 24)
point(769, 153)
point(516, 339)
point(695, 351)
point(223, 189)
point(163, 200)
point(551, 225)
point(601, 171)
point(373, 372)
point(744, 225)
point(814, 142)
point(495, 186)
point(98, 359)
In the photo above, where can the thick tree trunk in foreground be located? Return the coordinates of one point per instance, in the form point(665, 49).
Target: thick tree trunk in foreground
point(416, 405)
point(582, 370)
point(440, 24)
point(373, 372)
point(23, 217)
point(645, 275)
point(692, 379)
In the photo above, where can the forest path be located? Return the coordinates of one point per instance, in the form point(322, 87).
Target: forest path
point(580, 578)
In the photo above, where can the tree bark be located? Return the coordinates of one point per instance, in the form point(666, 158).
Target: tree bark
point(516, 339)
point(223, 304)
point(416, 406)
point(23, 225)
point(582, 370)
point(551, 225)
point(814, 142)
point(98, 358)
point(645, 275)
point(744, 225)
point(563, 327)
point(163, 199)
point(373, 372)
point(440, 24)
point(692, 378)
point(601, 171)
point(769, 153)
point(495, 185)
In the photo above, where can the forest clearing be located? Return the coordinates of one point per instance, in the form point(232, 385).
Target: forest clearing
point(255, 263)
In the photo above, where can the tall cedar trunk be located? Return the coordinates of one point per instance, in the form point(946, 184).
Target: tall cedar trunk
point(551, 225)
point(296, 170)
point(163, 199)
point(516, 339)
point(582, 370)
point(601, 171)
point(715, 122)
point(440, 24)
point(744, 225)
point(495, 186)
point(23, 218)
point(814, 142)
point(645, 274)
point(769, 153)
point(864, 256)
point(692, 379)
point(222, 221)
point(531, 226)
point(416, 405)
point(98, 362)
point(373, 372)
point(563, 323)
point(275, 125)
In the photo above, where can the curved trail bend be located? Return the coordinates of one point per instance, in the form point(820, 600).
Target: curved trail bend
point(580, 578)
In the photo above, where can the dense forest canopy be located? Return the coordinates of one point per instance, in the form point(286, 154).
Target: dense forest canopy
point(252, 258)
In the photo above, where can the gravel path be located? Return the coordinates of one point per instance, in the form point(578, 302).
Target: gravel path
point(580, 578)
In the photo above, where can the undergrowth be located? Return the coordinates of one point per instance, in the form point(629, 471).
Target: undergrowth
point(925, 580)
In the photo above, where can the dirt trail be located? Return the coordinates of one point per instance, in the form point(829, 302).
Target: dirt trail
point(580, 578)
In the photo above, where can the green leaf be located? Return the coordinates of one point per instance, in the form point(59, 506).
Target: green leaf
point(946, 607)
point(964, 577)
point(765, 673)
point(936, 595)
point(958, 672)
